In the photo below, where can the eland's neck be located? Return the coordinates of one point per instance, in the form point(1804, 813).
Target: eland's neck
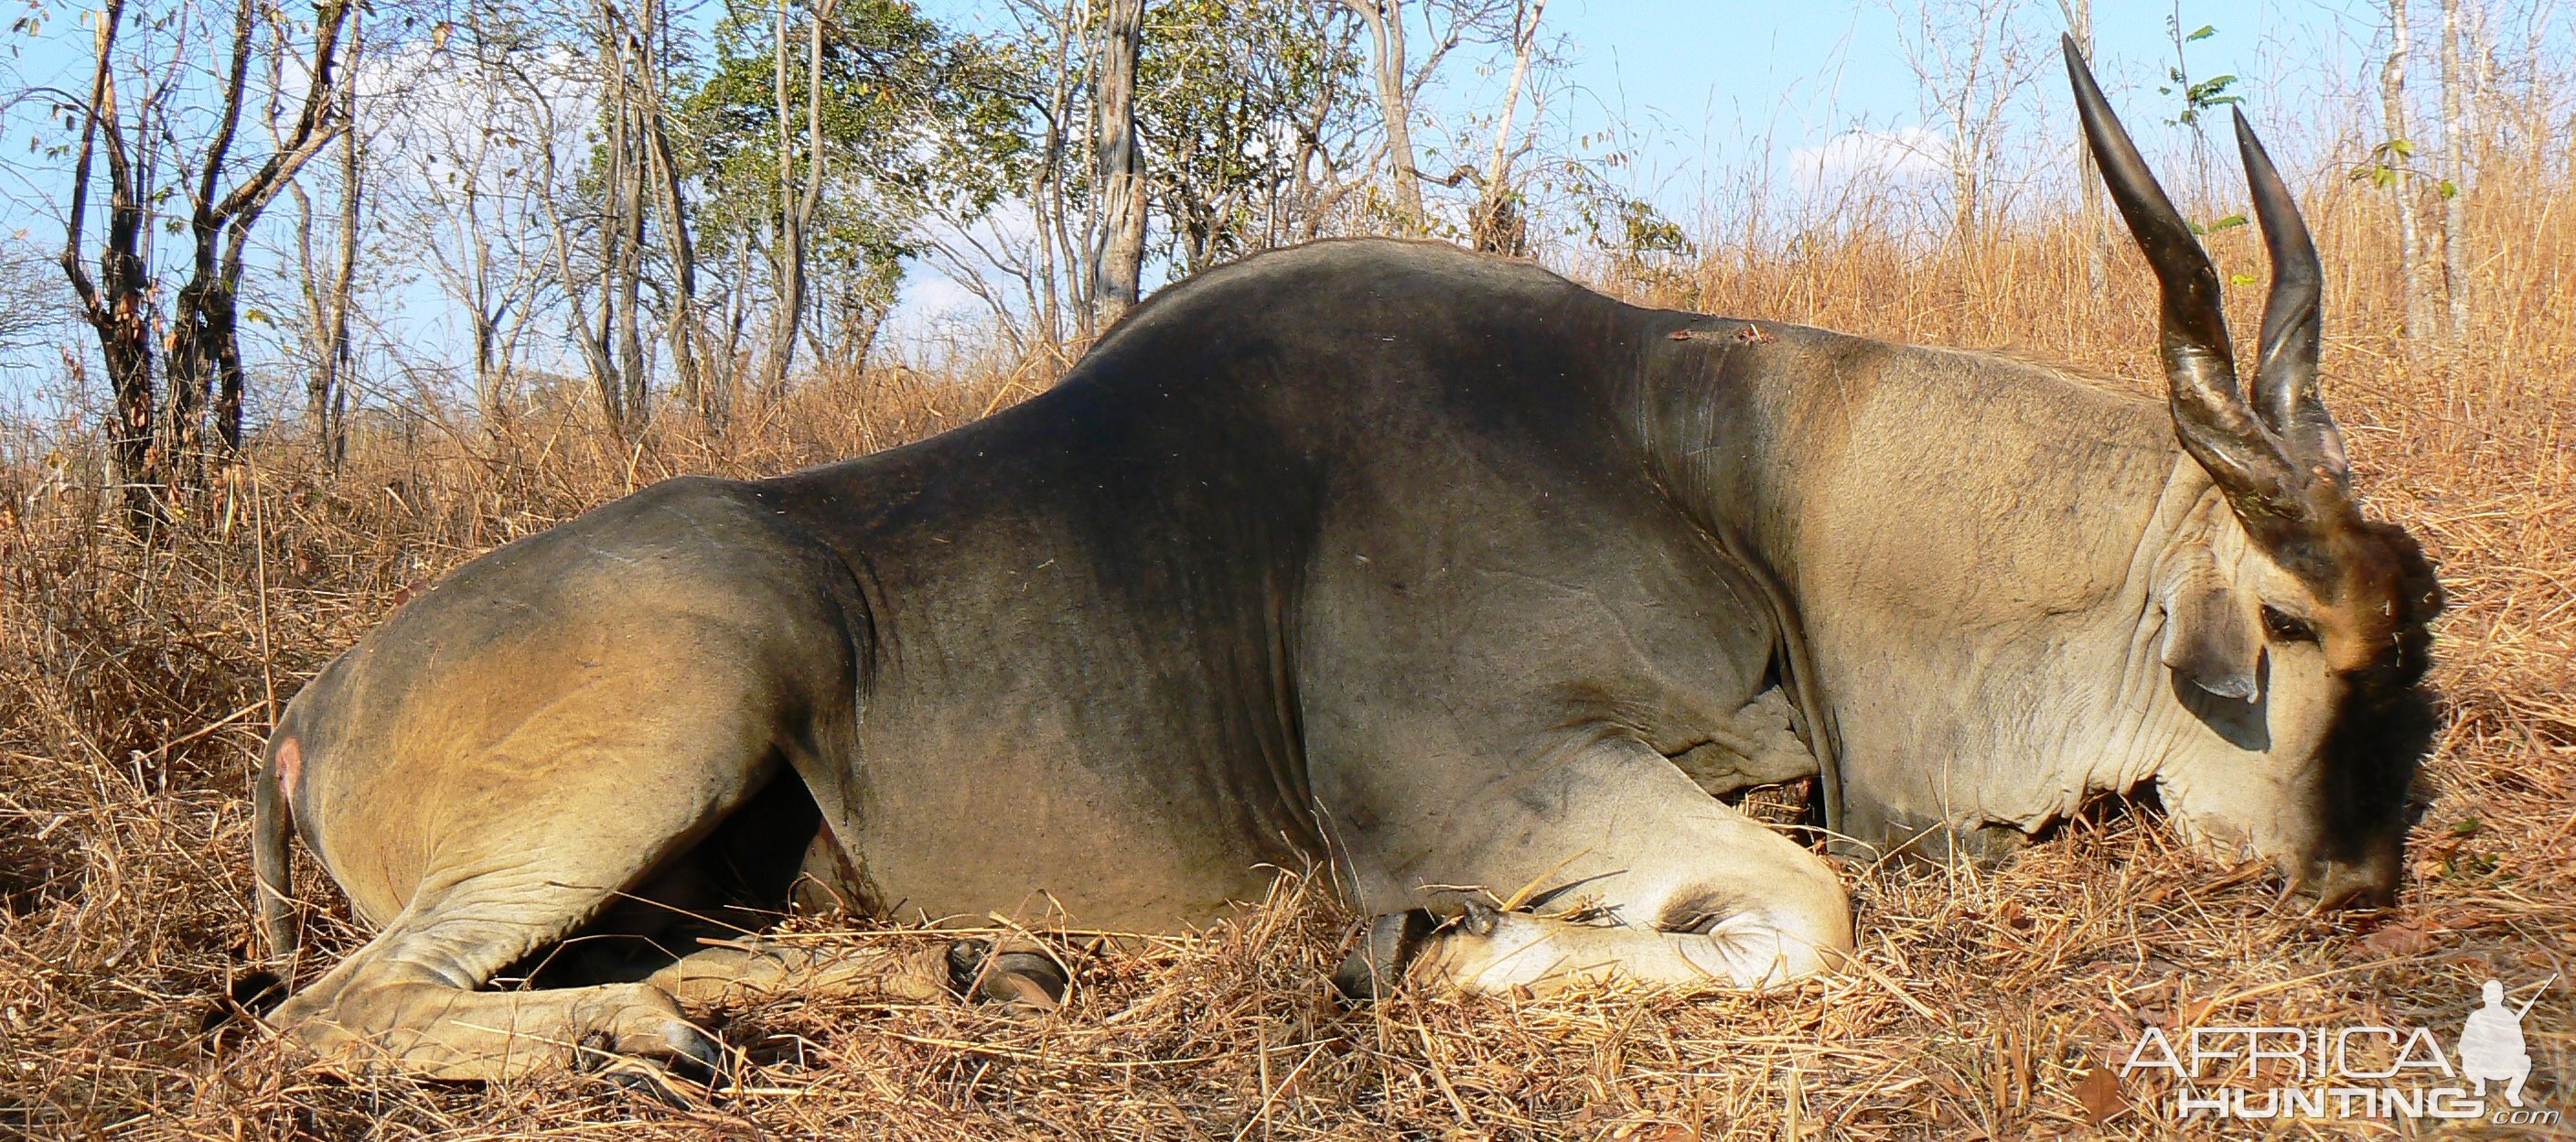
point(1967, 540)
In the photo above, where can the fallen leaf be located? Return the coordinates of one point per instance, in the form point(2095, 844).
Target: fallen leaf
point(2099, 1091)
point(2395, 940)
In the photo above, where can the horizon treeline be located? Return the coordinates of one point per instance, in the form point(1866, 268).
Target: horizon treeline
point(264, 223)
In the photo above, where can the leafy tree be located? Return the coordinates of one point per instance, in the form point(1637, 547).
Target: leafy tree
point(1251, 112)
point(911, 116)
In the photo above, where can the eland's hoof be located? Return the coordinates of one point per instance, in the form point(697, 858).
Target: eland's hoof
point(687, 1062)
point(1022, 981)
point(1373, 968)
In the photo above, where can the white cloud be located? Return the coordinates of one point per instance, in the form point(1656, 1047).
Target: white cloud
point(1862, 155)
point(930, 296)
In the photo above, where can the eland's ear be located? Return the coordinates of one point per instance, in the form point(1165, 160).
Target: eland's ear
point(2210, 640)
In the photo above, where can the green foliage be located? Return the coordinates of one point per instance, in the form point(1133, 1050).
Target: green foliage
point(1234, 99)
point(2387, 164)
point(913, 117)
point(1647, 231)
point(2197, 95)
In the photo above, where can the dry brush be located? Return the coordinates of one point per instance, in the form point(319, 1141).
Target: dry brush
point(136, 683)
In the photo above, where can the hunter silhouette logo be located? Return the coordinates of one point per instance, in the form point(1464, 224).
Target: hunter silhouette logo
point(2373, 1072)
point(2491, 1044)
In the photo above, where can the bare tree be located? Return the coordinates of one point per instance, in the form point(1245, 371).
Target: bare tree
point(117, 304)
point(2402, 194)
point(1062, 135)
point(1399, 75)
point(151, 450)
point(1385, 21)
point(327, 296)
point(1122, 167)
point(2097, 238)
point(1496, 224)
point(540, 94)
point(2455, 227)
point(30, 302)
point(1039, 281)
point(799, 197)
point(1049, 268)
point(1969, 60)
point(625, 386)
point(708, 390)
point(467, 145)
point(205, 348)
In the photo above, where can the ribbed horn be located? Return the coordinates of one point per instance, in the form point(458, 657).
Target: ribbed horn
point(2211, 419)
point(2285, 374)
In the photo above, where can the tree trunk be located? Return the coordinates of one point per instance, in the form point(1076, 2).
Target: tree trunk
point(683, 331)
point(2401, 188)
point(591, 337)
point(1046, 187)
point(607, 377)
point(796, 203)
point(1122, 166)
point(633, 376)
point(624, 388)
point(194, 315)
point(205, 367)
point(327, 395)
point(1385, 20)
point(786, 241)
point(488, 373)
point(2455, 228)
point(116, 304)
point(2097, 238)
point(1497, 226)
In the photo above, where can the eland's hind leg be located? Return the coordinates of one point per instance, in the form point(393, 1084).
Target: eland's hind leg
point(408, 1000)
point(505, 858)
point(556, 729)
point(582, 851)
point(481, 858)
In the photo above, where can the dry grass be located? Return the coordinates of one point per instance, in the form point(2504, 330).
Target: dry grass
point(135, 686)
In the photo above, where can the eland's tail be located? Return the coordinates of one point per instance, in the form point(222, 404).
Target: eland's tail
point(271, 821)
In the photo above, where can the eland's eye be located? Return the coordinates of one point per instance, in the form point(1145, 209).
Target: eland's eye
point(2281, 627)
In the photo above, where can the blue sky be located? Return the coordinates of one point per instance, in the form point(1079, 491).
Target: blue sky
point(1703, 84)
point(1707, 86)
point(1701, 91)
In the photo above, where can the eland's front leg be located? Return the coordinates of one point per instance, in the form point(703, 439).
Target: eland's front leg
point(1644, 877)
